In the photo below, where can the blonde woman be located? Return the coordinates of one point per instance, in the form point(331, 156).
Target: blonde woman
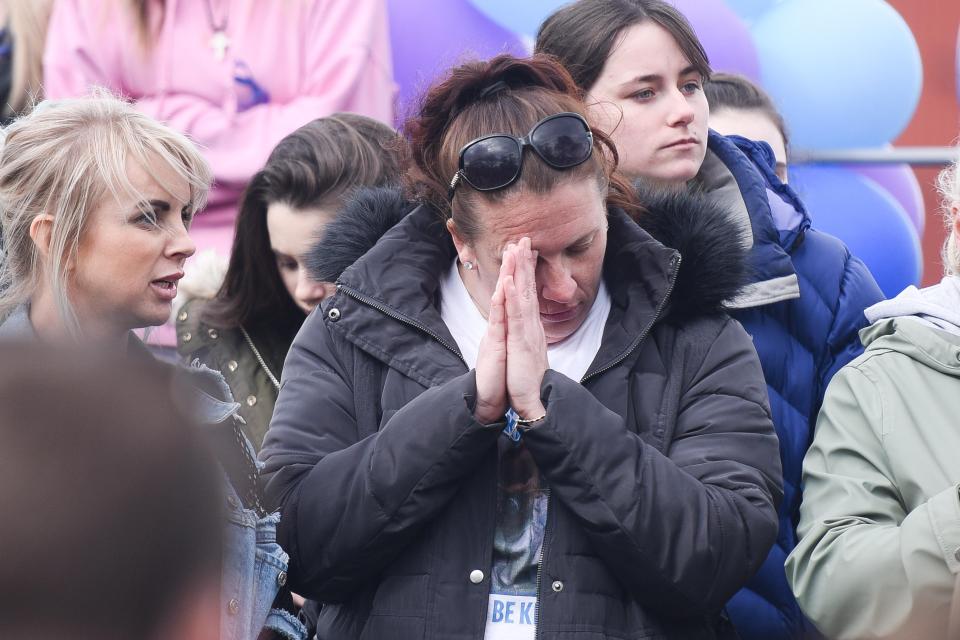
point(879, 553)
point(96, 201)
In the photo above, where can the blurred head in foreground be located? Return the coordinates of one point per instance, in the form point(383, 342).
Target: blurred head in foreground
point(111, 521)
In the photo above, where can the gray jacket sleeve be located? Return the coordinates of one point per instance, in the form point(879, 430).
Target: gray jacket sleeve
point(682, 531)
point(350, 505)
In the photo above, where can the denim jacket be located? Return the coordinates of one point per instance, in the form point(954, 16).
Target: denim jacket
point(254, 565)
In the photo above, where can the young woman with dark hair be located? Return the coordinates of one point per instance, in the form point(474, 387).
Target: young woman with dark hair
point(246, 328)
point(642, 71)
point(521, 415)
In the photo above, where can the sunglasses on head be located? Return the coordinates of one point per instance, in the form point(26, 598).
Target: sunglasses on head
point(494, 161)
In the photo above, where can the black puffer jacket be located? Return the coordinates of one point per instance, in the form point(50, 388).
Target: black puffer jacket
point(662, 461)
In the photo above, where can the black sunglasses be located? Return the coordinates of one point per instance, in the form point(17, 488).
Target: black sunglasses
point(492, 162)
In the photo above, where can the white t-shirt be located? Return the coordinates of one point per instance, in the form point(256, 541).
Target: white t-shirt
point(521, 513)
point(571, 357)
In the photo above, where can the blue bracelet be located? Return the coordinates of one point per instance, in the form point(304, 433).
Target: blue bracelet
point(511, 431)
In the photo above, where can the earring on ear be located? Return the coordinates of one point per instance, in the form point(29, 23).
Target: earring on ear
point(468, 265)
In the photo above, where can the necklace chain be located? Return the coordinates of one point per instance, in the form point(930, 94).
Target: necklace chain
point(253, 471)
point(215, 25)
point(256, 354)
point(219, 42)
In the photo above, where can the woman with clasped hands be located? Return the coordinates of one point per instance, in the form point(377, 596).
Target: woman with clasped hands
point(521, 414)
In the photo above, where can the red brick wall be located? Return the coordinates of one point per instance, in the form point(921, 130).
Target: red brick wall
point(937, 120)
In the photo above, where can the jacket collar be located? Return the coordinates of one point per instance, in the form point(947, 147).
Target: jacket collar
point(734, 178)
point(911, 337)
point(16, 326)
point(387, 300)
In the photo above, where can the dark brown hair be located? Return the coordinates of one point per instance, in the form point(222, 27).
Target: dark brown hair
point(456, 110)
point(583, 34)
point(111, 499)
point(317, 165)
point(732, 91)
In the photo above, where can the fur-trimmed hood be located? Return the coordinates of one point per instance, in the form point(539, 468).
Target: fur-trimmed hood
point(710, 243)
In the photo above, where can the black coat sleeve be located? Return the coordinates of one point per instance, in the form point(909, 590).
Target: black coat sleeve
point(350, 505)
point(683, 531)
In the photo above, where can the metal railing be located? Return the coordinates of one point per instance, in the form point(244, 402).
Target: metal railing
point(916, 156)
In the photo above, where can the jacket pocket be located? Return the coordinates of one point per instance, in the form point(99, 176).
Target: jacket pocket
point(401, 595)
point(399, 609)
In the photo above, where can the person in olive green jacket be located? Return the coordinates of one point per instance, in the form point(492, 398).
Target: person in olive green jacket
point(879, 554)
point(244, 326)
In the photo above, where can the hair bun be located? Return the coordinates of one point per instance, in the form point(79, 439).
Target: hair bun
point(478, 81)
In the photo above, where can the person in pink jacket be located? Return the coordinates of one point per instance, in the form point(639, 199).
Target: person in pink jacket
point(235, 75)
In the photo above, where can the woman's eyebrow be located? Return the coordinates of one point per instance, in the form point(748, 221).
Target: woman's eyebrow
point(160, 205)
point(656, 77)
point(650, 77)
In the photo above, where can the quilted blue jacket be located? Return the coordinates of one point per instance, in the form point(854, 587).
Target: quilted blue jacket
point(803, 307)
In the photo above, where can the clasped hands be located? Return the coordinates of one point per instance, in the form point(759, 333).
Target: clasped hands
point(513, 351)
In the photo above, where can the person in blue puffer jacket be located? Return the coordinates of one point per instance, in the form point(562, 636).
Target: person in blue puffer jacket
point(642, 70)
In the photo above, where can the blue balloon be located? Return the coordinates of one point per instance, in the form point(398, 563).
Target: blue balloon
point(869, 220)
point(520, 17)
point(844, 74)
point(750, 10)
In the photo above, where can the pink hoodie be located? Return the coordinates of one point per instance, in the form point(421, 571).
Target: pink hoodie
point(313, 57)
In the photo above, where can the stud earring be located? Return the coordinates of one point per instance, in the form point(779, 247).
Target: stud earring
point(468, 265)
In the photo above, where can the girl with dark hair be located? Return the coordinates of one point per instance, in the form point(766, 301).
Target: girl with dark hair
point(246, 328)
point(642, 70)
point(521, 415)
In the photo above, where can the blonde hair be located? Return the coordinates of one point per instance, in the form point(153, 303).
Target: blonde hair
point(62, 159)
point(28, 21)
point(948, 184)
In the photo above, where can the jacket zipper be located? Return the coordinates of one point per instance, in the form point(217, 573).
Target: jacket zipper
point(624, 356)
point(359, 297)
point(646, 329)
point(543, 554)
point(396, 316)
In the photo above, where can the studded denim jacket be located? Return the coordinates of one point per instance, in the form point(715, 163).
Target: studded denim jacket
point(254, 564)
